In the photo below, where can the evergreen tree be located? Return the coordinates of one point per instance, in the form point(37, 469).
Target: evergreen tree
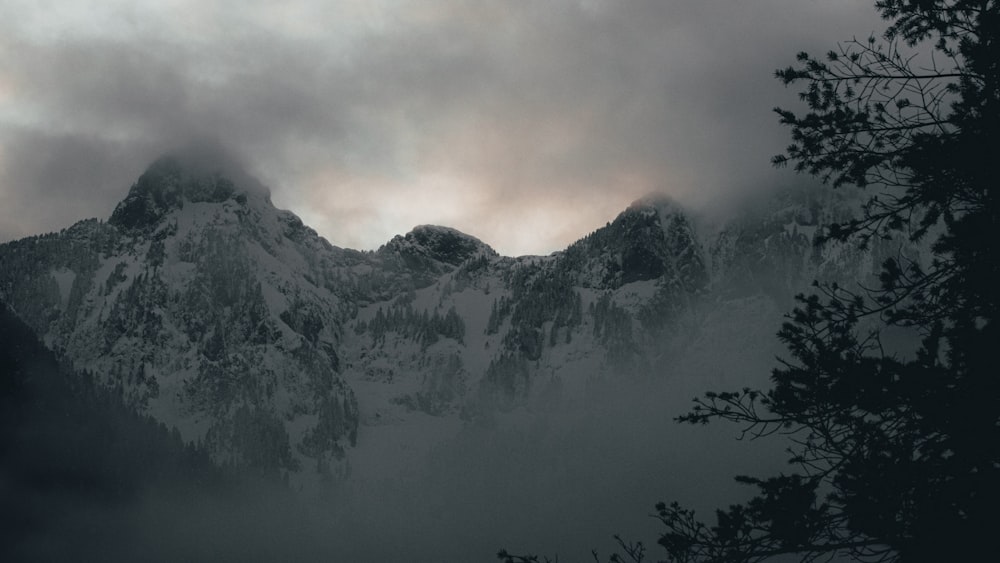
point(894, 456)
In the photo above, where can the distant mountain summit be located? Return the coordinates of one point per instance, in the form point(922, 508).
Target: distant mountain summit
point(211, 309)
point(429, 245)
point(167, 185)
point(231, 320)
point(653, 238)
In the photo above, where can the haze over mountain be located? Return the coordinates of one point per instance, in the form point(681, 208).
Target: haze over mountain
point(352, 373)
point(368, 117)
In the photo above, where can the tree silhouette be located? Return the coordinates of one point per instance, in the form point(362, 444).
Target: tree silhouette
point(894, 456)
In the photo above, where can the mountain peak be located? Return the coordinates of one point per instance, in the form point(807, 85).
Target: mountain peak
point(184, 176)
point(660, 201)
point(442, 244)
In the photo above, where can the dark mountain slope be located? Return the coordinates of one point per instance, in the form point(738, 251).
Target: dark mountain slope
point(67, 443)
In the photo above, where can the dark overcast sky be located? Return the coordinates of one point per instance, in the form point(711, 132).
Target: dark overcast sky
point(527, 124)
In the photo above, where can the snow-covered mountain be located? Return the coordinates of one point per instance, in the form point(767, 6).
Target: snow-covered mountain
point(217, 313)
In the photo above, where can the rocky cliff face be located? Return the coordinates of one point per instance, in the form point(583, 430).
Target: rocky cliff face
point(217, 313)
point(211, 309)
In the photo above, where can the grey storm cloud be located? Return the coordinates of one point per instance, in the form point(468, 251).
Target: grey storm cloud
point(526, 124)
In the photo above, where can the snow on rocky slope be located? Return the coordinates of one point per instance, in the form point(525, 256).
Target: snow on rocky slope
point(217, 313)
